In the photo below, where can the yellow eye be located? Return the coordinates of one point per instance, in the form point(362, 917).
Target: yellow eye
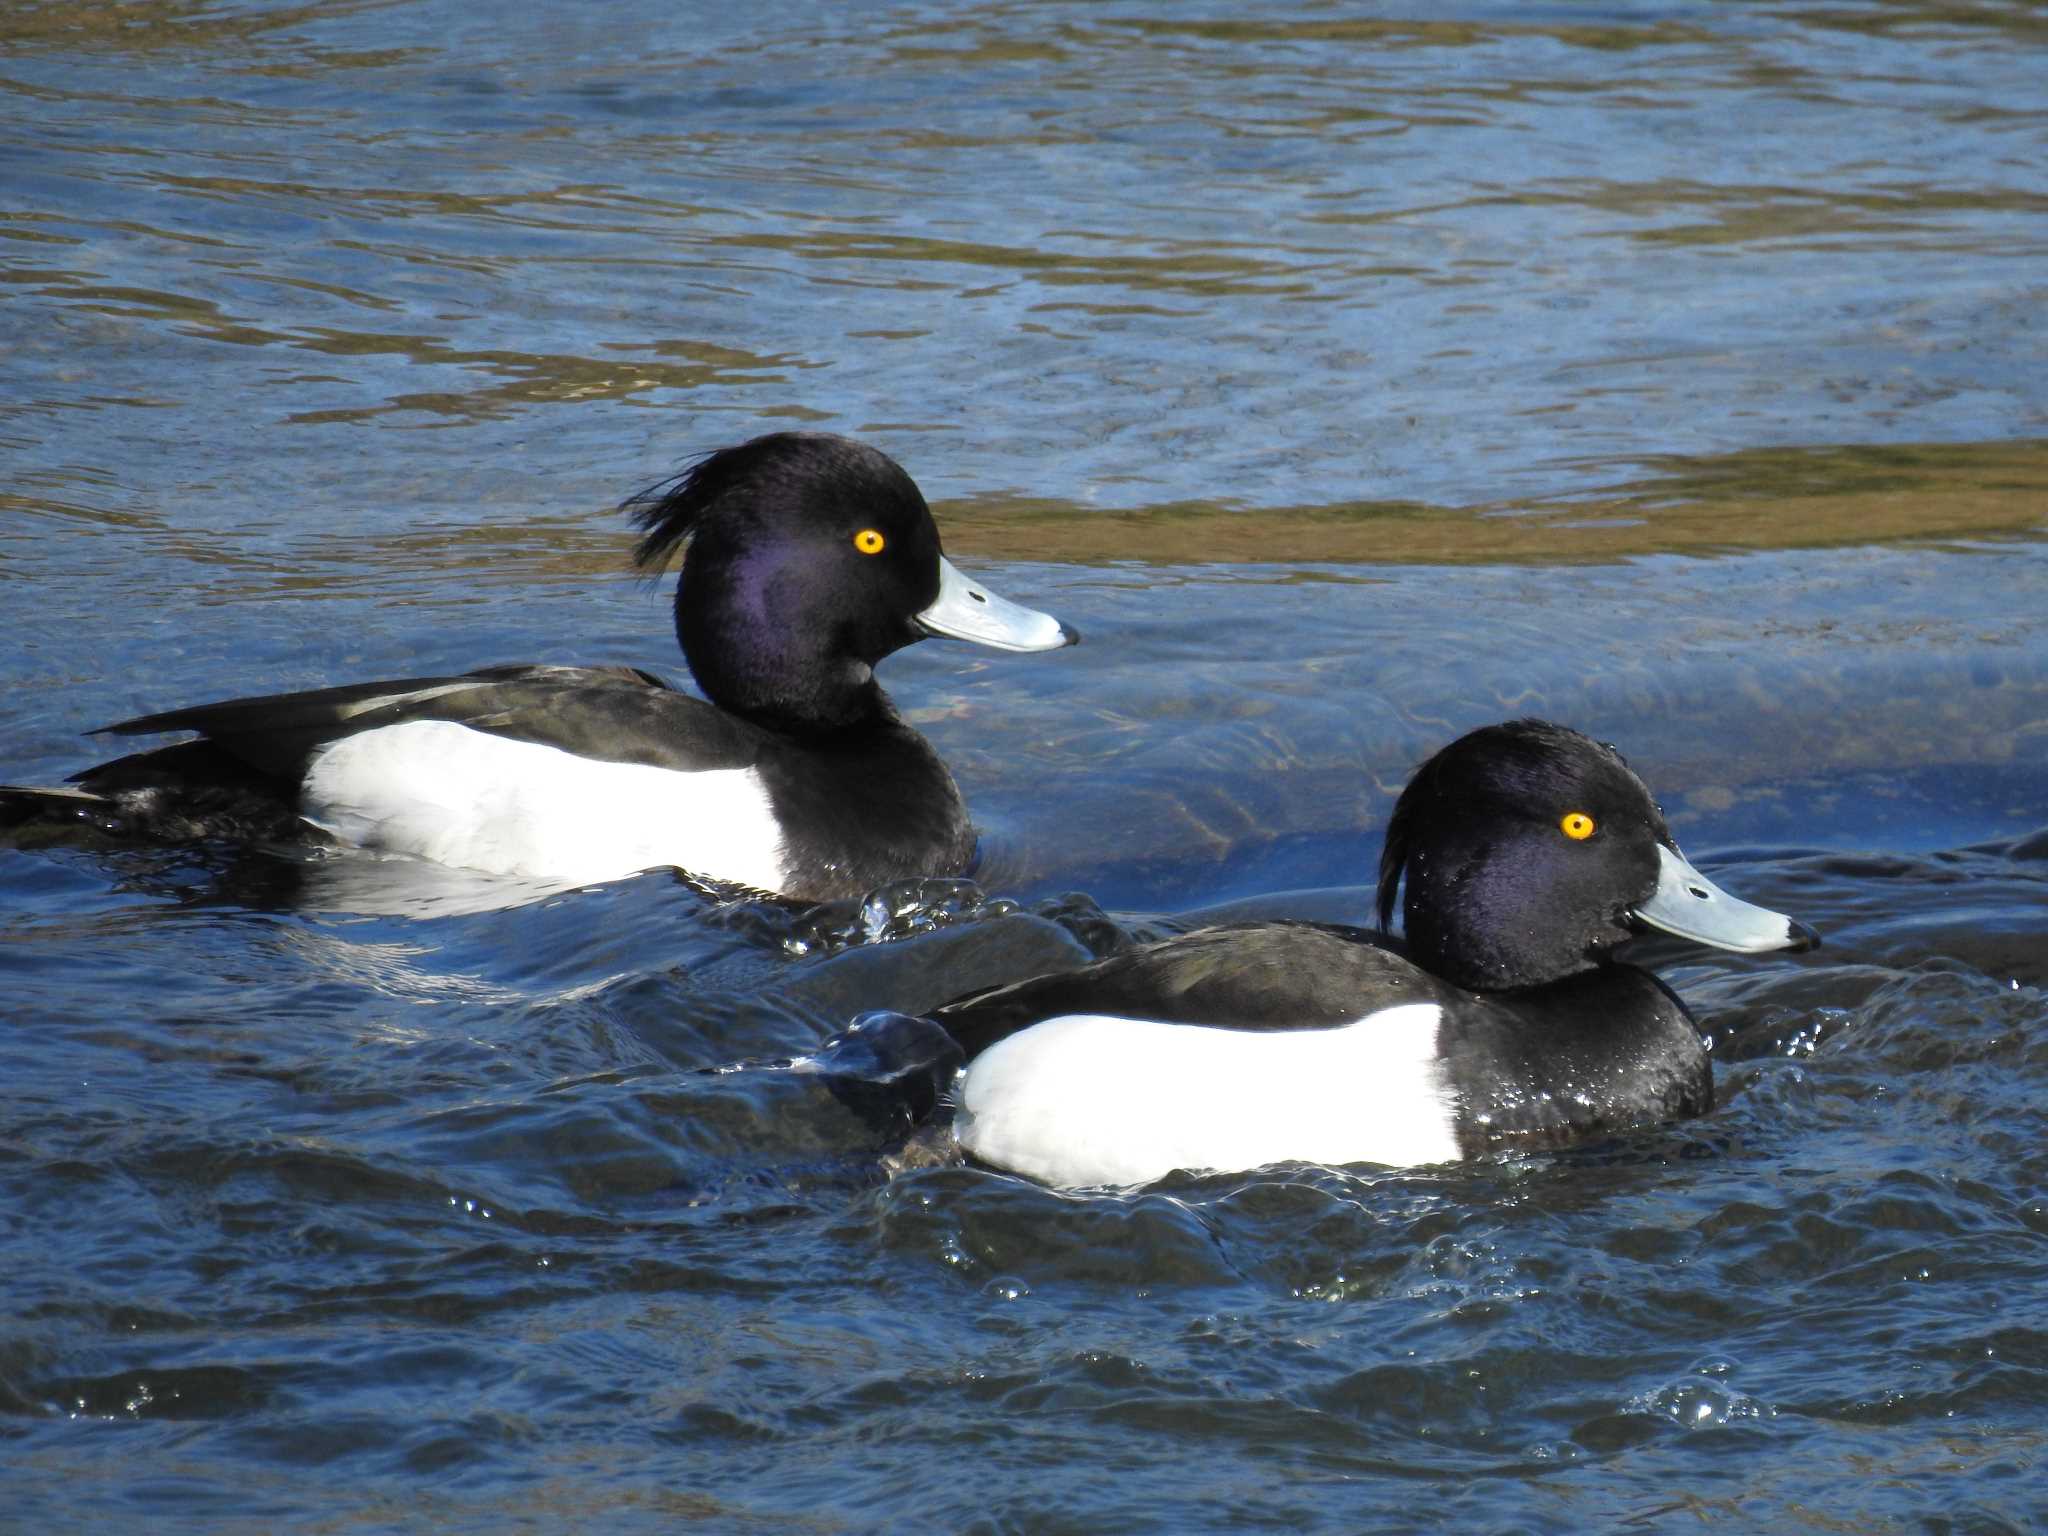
point(1577, 826)
point(869, 541)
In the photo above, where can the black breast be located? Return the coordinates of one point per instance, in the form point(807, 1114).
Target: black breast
point(1600, 1053)
point(862, 807)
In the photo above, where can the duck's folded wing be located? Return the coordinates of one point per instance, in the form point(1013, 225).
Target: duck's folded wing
point(612, 714)
point(1252, 976)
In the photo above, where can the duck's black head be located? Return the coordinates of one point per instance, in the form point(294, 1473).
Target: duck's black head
point(1530, 851)
point(811, 557)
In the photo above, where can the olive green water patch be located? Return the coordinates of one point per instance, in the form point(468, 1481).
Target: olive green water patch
point(1766, 498)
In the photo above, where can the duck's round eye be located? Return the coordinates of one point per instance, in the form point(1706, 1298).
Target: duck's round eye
point(869, 541)
point(1577, 826)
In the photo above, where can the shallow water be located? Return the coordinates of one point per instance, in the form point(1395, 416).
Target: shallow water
point(1348, 381)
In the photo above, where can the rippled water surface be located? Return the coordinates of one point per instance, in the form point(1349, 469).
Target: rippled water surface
point(1349, 378)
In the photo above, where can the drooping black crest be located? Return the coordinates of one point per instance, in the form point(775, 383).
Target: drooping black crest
point(667, 513)
point(775, 471)
point(1394, 851)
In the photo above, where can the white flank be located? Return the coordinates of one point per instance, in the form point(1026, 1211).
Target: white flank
point(445, 792)
point(1091, 1099)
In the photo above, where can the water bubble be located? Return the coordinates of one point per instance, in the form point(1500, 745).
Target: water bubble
point(1698, 1402)
point(896, 911)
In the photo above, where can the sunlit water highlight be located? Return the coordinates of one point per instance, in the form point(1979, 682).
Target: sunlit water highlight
point(1348, 381)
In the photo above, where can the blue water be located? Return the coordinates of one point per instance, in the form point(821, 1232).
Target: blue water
point(1348, 380)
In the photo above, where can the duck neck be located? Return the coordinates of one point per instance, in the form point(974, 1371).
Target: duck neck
point(796, 679)
point(1486, 951)
point(1603, 1052)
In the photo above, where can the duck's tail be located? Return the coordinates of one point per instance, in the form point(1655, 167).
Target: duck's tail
point(28, 805)
point(891, 1069)
point(150, 798)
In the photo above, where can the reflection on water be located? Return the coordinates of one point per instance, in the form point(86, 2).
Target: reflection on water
point(1107, 257)
point(1348, 380)
point(1755, 499)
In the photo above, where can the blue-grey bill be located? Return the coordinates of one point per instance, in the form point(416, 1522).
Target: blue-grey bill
point(1690, 905)
point(967, 610)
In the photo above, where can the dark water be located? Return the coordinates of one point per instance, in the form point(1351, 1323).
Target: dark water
point(1349, 379)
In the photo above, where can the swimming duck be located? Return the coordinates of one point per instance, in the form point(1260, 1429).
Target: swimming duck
point(1529, 852)
point(811, 557)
